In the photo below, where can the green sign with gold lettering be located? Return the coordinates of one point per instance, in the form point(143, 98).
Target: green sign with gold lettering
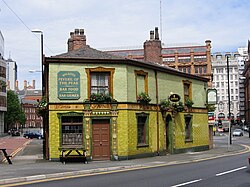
point(68, 85)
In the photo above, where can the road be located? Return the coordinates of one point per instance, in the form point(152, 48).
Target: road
point(222, 172)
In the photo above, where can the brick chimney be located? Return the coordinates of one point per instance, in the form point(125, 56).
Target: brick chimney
point(77, 40)
point(152, 48)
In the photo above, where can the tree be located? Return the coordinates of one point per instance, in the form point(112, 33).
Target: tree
point(15, 114)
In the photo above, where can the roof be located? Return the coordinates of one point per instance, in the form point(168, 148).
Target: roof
point(87, 52)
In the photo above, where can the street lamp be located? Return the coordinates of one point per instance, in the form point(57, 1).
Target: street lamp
point(229, 110)
point(37, 31)
point(42, 66)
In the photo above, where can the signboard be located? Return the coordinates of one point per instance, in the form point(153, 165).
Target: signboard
point(174, 97)
point(68, 85)
point(211, 96)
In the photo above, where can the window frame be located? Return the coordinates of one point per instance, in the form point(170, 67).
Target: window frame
point(188, 128)
point(189, 84)
point(71, 114)
point(141, 73)
point(145, 130)
point(111, 72)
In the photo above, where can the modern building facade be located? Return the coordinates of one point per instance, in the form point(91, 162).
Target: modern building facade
point(3, 94)
point(193, 58)
point(241, 66)
point(11, 75)
point(220, 83)
point(93, 104)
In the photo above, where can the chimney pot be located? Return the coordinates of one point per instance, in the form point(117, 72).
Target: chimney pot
point(151, 35)
point(71, 34)
point(76, 31)
point(156, 33)
point(81, 31)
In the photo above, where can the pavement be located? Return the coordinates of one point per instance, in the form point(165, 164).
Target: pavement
point(28, 163)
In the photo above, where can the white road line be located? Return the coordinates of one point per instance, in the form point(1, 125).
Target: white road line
point(230, 171)
point(186, 183)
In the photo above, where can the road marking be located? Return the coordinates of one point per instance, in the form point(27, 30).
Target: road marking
point(187, 183)
point(230, 171)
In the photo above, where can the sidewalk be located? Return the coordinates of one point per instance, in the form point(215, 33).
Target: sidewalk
point(29, 166)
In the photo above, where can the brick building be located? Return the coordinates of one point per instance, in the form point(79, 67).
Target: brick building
point(94, 104)
point(192, 59)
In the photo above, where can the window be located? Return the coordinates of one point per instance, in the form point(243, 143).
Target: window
point(188, 127)
point(141, 79)
point(142, 129)
point(187, 90)
point(100, 80)
point(99, 83)
point(72, 128)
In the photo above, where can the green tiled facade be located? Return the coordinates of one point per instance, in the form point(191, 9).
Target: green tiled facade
point(123, 128)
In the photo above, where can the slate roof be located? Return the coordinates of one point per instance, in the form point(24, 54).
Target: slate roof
point(87, 52)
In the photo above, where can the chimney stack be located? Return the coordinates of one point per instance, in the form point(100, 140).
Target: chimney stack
point(77, 40)
point(25, 85)
point(152, 48)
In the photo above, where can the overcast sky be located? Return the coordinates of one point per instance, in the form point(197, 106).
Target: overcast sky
point(117, 23)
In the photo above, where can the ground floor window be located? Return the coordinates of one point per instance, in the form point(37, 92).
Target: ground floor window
point(72, 130)
point(188, 127)
point(142, 129)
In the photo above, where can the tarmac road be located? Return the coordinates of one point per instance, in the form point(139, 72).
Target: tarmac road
point(29, 165)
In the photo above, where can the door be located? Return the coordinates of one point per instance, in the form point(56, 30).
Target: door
point(101, 142)
point(167, 137)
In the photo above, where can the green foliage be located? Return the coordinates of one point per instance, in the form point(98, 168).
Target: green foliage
point(14, 113)
point(143, 98)
point(171, 106)
point(41, 109)
point(189, 102)
point(101, 98)
point(211, 108)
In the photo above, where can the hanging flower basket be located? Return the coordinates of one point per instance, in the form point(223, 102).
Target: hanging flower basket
point(143, 98)
point(189, 102)
point(101, 98)
point(41, 109)
point(174, 107)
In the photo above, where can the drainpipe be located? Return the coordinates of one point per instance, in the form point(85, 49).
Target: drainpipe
point(157, 116)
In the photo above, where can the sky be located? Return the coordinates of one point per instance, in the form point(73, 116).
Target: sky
point(115, 24)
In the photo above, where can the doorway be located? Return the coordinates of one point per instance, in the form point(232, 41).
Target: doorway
point(100, 139)
point(167, 136)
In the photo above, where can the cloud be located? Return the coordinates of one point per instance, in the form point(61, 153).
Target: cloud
point(115, 23)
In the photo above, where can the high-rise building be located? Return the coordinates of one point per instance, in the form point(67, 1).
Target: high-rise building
point(220, 83)
point(11, 74)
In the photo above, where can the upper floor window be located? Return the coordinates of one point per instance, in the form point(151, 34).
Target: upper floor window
point(100, 80)
point(141, 79)
point(100, 83)
point(187, 85)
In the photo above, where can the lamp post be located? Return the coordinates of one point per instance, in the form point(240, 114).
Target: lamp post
point(43, 88)
point(229, 110)
point(42, 66)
